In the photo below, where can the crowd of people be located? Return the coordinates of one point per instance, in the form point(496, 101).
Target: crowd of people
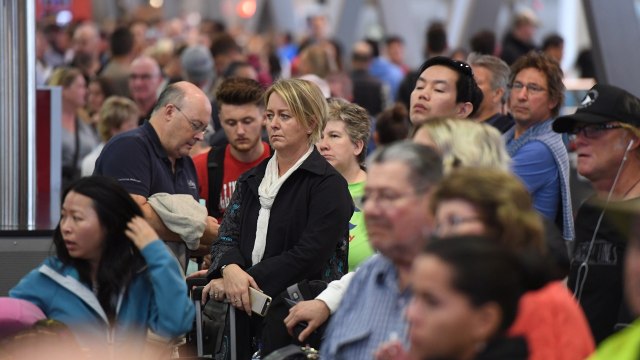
point(431, 209)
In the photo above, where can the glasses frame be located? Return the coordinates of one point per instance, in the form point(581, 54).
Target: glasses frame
point(455, 221)
point(531, 88)
point(387, 202)
point(204, 129)
point(593, 131)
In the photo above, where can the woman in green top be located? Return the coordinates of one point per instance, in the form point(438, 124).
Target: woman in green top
point(344, 145)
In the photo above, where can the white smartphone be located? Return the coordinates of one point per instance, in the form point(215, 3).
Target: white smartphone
point(260, 301)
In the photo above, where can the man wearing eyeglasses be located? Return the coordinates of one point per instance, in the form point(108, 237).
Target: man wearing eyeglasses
point(396, 210)
point(605, 132)
point(154, 158)
point(539, 155)
point(145, 78)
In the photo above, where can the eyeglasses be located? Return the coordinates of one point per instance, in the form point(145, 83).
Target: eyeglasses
point(196, 126)
point(144, 77)
point(385, 199)
point(532, 88)
point(593, 131)
point(453, 221)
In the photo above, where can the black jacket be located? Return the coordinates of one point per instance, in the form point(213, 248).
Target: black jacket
point(308, 227)
point(513, 48)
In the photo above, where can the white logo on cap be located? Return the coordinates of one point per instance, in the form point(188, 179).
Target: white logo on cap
point(589, 99)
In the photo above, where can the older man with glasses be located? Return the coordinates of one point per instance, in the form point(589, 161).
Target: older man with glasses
point(368, 304)
point(539, 155)
point(605, 132)
point(154, 159)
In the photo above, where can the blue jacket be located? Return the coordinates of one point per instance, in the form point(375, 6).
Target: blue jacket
point(156, 300)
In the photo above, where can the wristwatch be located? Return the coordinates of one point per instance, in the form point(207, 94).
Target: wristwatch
point(222, 269)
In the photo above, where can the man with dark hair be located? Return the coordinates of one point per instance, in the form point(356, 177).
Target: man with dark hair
point(483, 42)
point(395, 52)
point(368, 91)
point(384, 70)
point(605, 131)
point(224, 50)
point(553, 45)
point(241, 108)
point(118, 68)
point(539, 155)
point(519, 40)
point(444, 87)
point(154, 159)
point(436, 40)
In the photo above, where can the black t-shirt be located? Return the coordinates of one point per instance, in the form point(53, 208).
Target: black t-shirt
point(602, 293)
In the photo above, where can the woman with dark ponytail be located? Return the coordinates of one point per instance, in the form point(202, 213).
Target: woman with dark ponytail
point(111, 279)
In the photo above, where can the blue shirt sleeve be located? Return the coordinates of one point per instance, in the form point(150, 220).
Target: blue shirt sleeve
point(127, 160)
point(535, 166)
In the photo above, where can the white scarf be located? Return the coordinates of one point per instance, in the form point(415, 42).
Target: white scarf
point(267, 192)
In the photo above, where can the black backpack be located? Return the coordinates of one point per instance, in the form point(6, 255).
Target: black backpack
point(215, 168)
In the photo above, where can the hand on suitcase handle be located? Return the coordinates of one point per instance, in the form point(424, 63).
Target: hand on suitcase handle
point(236, 285)
point(312, 312)
point(215, 290)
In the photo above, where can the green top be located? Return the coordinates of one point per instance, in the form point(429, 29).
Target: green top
point(359, 247)
point(620, 346)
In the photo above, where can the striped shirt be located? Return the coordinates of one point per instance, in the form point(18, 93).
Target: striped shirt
point(371, 313)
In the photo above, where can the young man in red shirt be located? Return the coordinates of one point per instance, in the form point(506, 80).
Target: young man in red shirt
point(241, 108)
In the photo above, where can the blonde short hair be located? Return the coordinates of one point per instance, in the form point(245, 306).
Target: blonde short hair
point(305, 101)
point(466, 143)
point(115, 111)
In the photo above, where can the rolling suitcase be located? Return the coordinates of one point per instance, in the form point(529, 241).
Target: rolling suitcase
point(215, 328)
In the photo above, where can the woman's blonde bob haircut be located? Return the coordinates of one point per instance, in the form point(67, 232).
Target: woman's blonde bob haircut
point(306, 103)
point(466, 143)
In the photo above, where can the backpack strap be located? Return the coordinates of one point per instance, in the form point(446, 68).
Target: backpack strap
point(215, 168)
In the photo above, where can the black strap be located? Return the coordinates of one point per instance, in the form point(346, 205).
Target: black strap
point(215, 167)
point(76, 154)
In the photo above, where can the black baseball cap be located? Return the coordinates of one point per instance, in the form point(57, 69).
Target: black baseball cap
point(602, 104)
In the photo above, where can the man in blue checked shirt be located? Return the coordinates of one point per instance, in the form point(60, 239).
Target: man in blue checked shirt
point(396, 208)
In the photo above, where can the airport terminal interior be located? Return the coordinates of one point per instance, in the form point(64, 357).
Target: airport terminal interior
point(68, 65)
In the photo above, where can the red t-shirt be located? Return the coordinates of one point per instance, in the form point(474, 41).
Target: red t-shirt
point(233, 168)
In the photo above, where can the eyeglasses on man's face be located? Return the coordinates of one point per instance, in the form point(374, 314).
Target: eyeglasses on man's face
point(144, 77)
point(531, 87)
point(593, 131)
point(196, 126)
point(386, 199)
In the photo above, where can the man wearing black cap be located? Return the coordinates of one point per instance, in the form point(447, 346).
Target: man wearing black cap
point(605, 130)
point(539, 155)
point(444, 87)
